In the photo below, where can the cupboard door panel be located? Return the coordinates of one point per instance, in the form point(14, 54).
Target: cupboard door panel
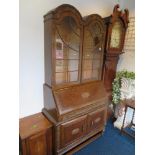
point(37, 144)
point(96, 119)
point(73, 130)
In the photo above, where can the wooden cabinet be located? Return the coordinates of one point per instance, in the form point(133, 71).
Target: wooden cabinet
point(79, 115)
point(35, 135)
point(37, 144)
point(73, 130)
point(74, 47)
point(79, 127)
point(77, 74)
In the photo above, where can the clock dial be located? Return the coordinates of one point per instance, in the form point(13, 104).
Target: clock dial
point(116, 35)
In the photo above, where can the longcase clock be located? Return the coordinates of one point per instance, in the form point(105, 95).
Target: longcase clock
point(117, 25)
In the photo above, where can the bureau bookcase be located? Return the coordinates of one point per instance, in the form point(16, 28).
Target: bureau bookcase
point(75, 94)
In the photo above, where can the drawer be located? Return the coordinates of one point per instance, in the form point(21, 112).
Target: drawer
point(73, 130)
point(96, 119)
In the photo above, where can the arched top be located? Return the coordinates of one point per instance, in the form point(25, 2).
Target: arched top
point(119, 14)
point(62, 10)
point(93, 17)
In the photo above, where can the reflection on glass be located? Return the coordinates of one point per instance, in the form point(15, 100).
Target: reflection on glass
point(73, 65)
point(61, 65)
point(95, 74)
point(96, 64)
point(73, 76)
point(87, 64)
point(60, 77)
point(116, 35)
point(67, 50)
point(92, 52)
point(87, 74)
point(69, 33)
point(73, 54)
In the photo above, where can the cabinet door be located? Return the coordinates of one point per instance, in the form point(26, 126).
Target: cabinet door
point(73, 130)
point(67, 50)
point(93, 48)
point(96, 119)
point(37, 144)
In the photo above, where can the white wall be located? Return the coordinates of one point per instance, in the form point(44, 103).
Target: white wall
point(32, 45)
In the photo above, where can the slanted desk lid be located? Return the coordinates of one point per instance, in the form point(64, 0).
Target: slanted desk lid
point(76, 97)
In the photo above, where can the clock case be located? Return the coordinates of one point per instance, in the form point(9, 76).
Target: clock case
point(112, 54)
point(122, 18)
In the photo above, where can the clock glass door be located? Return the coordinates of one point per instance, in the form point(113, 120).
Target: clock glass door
point(116, 35)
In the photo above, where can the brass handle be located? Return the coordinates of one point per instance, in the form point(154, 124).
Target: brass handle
point(75, 131)
point(97, 119)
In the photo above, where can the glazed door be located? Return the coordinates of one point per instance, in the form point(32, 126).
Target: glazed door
point(116, 37)
point(67, 51)
point(93, 50)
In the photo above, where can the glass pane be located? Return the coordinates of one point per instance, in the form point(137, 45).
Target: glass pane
point(95, 74)
point(87, 55)
point(67, 48)
point(88, 44)
point(116, 35)
point(61, 50)
point(61, 77)
point(92, 52)
point(97, 55)
point(73, 65)
point(73, 54)
point(61, 65)
point(73, 76)
point(69, 32)
point(87, 64)
point(95, 29)
point(87, 74)
point(96, 64)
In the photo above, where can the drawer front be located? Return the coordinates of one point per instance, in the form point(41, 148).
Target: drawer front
point(37, 144)
point(73, 130)
point(96, 119)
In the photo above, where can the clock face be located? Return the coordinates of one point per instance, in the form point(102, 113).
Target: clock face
point(116, 35)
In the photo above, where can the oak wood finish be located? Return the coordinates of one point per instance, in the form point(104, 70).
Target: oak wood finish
point(35, 135)
point(73, 130)
point(78, 74)
point(69, 102)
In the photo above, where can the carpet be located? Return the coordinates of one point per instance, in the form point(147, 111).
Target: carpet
point(110, 143)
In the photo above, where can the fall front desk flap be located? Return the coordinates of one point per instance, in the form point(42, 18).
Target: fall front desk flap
point(79, 96)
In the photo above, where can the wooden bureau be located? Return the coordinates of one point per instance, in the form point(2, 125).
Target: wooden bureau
point(35, 135)
point(79, 114)
point(80, 56)
point(75, 98)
